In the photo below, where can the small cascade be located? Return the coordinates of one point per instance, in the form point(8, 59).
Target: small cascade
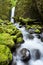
point(34, 45)
point(12, 14)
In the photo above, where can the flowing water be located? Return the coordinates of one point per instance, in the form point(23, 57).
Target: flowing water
point(12, 14)
point(31, 45)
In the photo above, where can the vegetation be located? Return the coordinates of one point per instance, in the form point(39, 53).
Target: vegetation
point(5, 55)
point(9, 37)
point(5, 8)
point(13, 2)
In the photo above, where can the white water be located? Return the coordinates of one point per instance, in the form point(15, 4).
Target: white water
point(30, 45)
point(12, 14)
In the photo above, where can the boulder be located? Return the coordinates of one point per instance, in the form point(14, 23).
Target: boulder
point(41, 36)
point(31, 31)
point(5, 55)
point(36, 54)
point(20, 40)
point(30, 36)
point(25, 54)
point(6, 39)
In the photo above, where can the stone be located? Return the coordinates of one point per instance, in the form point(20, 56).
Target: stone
point(36, 54)
point(5, 55)
point(31, 31)
point(30, 36)
point(25, 55)
point(6, 39)
point(41, 36)
point(20, 40)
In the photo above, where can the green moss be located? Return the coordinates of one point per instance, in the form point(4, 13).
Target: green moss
point(19, 34)
point(14, 37)
point(19, 40)
point(6, 39)
point(36, 26)
point(37, 31)
point(8, 33)
point(5, 55)
point(28, 27)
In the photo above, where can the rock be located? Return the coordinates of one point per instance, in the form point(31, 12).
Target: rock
point(19, 34)
point(5, 55)
point(20, 40)
point(14, 63)
point(37, 31)
point(36, 54)
point(38, 36)
point(41, 36)
point(6, 39)
point(25, 55)
point(31, 31)
point(30, 36)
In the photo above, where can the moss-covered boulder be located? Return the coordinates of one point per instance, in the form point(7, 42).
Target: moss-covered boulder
point(29, 8)
point(19, 40)
point(5, 55)
point(6, 39)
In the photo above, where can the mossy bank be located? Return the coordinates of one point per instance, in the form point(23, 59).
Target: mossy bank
point(10, 36)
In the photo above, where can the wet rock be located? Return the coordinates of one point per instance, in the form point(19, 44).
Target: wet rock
point(36, 54)
point(14, 63)
point(31, 31)
point(38, 36)
point(41, 36)
point(30, 36)
point(25, 55)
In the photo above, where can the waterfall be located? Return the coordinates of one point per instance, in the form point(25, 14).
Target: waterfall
point(12, 14)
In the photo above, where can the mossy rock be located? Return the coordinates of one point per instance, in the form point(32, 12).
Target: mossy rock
point(19, 40)
point(5, 55)
point(6, 39)
point(37, 31)
point(19, 34)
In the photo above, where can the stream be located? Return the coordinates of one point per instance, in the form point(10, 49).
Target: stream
point(31, 44)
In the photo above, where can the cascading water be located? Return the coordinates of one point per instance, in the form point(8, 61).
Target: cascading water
point(12, 14)
point(32, 45)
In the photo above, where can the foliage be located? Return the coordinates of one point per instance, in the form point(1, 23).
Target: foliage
point(5, 55)
point(5, 7)
point(13, 2)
